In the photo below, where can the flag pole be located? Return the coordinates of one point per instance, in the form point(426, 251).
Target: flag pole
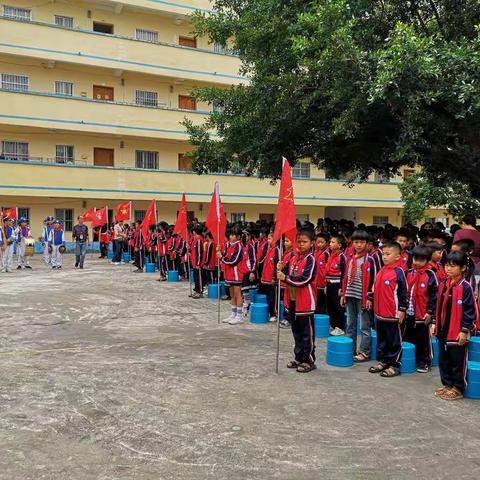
point(218, 246)
point(279, 301)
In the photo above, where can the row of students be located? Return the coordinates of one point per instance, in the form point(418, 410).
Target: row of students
point(14, 234)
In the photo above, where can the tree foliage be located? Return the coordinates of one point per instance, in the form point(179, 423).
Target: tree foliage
point(420, 194)
point(354, 85)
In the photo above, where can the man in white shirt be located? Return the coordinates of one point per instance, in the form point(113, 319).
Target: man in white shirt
point(119, 236)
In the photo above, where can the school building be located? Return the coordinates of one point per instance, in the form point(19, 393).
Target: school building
point(92, 96)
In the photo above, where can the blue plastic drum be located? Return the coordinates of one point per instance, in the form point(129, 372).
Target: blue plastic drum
point(474, 349)
point(409, 362)
point(150, 267)
point(172, 276)
point(340, 351)
point(322, 325)
point(435, 352)
point(473, 381)
point(259, 313)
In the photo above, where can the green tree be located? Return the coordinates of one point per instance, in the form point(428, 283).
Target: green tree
point(420, 194)
point(355, 85)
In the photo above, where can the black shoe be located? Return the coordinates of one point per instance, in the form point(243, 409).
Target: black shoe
point(28, 266)
point(81, 267)
point(101, 256)
point(58, 268)
point(423, 368)
point(54, 268)
point(138, 270)
point(76, 265)
point(285, 324)
point(19, 267)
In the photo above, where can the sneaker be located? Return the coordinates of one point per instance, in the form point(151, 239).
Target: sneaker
point(225, 297)
point(76, 265)
point(29, 267)
point(451, 394)
point(237, 320)
point(115, 263)
point(19, 267)
point(58, 268)
point(337, 332)
point(138, 270)
point(285, 324)
point(423, 368)
point(3, 270)
point(272, 319)
point(227, 320)
point(54, 268)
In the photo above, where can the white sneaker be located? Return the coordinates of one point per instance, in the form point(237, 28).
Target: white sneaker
point(337, 332)
point(237, 320)
point(227, 320)
point(3, 270)
point(272, 319)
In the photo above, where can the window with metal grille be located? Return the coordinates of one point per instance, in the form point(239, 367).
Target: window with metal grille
point(63, 21)
point(147, 99)
point(65, 217)
point(139, 215)
point(301, 170)
point(14, 150)
point(380, 220)
point(145, 159)
point(64, 154)
point(218, 48)
point(14, 82)
point(17, 13)
point(237, 217)
point(146, 35)
point(64, 88)
point(24, 212)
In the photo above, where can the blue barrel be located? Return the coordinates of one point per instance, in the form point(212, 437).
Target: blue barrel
point(474, 349)
point(259, 313)
point(253, 294)
point(282, 311)
point(260, 298)
point(213, 291)
point(473, 381)
point(172, 276)
point(192, 277)
point(126, 257)
point(435, 352)
point(322, 325)
point(150, 267)
point(373, 345)
point(340, 351)
point(409, 362)
point(109, 254)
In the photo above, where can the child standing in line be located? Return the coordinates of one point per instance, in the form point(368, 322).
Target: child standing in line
point(287, 256)
point(455, 319)
point(321, 257)
point(196, 261)
point(268, 278)
point(57, 240)
point(210, 259)
point(334, 271)
point(300, 292)
point(435, 262)
point(247, 269)
point(389, 297)
point(403, 239)
point(231, 260)
point(422, 296)
point(357, 283)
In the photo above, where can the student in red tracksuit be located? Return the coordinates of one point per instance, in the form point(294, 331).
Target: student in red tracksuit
point(209, 259)
point(321, 257)
point(456, 315)
point(196, 261)
point(389, 298)
point(162, 250)
point(437, 255)
point(334, 270)
point(262, 248)
point(403, 239)
point(300, 300)
point(268, 278)
point(231, 260)
point(287, 256)
point(248, 270)
point(422, 287)
point(138, 248)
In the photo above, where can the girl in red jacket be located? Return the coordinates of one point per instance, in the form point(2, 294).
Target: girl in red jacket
point(300, 300)
point(321, 258)
point(334, 271)
point(247, 269)
point(268, 278)
point(455, 320)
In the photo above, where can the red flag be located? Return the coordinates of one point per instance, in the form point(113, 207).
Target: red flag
point(285, 219)
point(123, 211)
point(216, 220)
point(149, 219)
point(101, 217)
point(181, 224)
point(12, 213)
point(89, 215)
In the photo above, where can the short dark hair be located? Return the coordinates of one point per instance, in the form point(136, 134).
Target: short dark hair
point(237, 231)
point(457, 258)
point(422, 252)
point(324, 235)
point(466, 244)
point(469, 219)
point(360, 235)
point(403, 233)
point(338, 237)
point(434, 246)
point(307, 232)
point(394, 246)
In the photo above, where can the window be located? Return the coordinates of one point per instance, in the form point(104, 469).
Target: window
point(139, 215)
point(218, 48)
point(429, 220)
point(237, 217)
point(144, 159)
point(186, 102)
point(62, 21)
point(184, 162)
point(14, 82)
point(17, 13)
point(65, 217)
point(103, 28)
point(380, 220)
point(148, 99)
point(24, 212)
point(64, 88)
point(14, 150)
point(64, 154)
point(146, 35)
point(301, 170)
point(187, 42)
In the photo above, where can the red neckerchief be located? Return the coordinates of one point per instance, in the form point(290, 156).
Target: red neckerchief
point(351, 278)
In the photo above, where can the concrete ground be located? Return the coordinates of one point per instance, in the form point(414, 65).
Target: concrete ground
point(106, 374)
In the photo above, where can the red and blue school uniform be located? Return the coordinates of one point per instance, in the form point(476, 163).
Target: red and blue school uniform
point(261, 253)
point(334, 271)
point(268, 278)
point(389, 297)
point(231, 261)
point(209, 262)
point(377, 256)
point(438, 269)
point(162, 252)
point(196, 262)
point(321, 259)
point(405, 260)
point(455, 312)
point(300, 302)
point(422, 285)
point(247, 266)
